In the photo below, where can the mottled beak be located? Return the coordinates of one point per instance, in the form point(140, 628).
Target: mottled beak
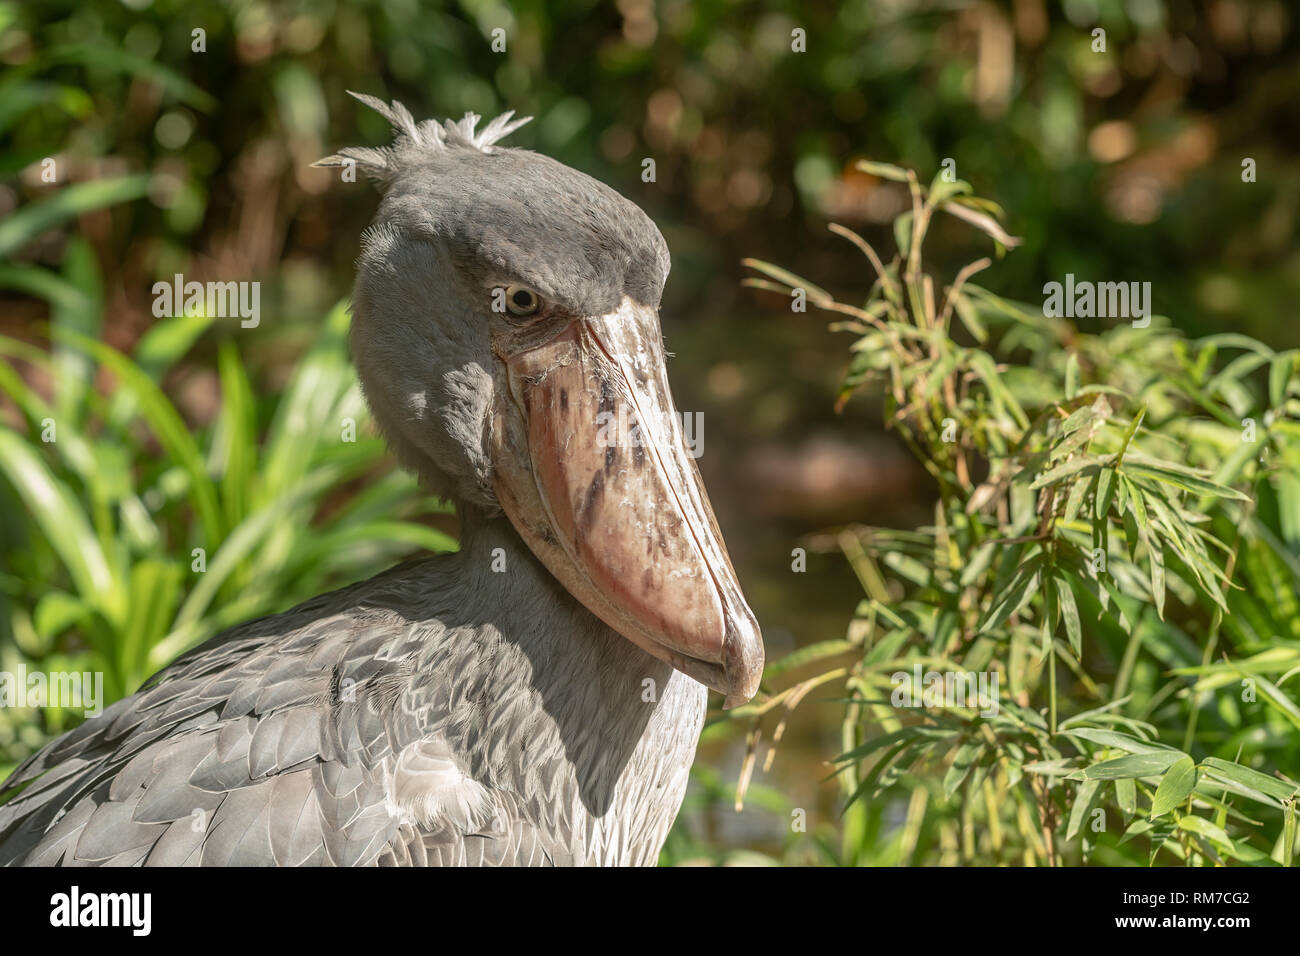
point(593, 470)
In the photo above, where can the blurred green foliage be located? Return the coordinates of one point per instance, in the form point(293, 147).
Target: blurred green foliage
point(1122, 164)
point(127, 539)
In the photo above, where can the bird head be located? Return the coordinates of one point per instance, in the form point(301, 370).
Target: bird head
point(506, 334)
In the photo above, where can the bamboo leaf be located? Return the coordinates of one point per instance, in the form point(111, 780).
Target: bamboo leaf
point(807, 655)
point(1260, 782)
point(1175, 786)
point(1156, 557)
point(1070, 612)
point(1128, 435)
point(1134, 765)
point(967, 755)
point(1117, 739)
point(1126, 796)
point(1105, 487)
point(816, 293)
point(1084, 464)
point(882, 170)
point(983, 222)
point(1204, 828)
point(1083, 801)
point(1279, 374)
point(1180, 479)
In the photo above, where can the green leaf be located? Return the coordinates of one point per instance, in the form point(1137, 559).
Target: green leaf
point(1128, 435)
point(1156, 556)
point(1084, 463)
point(882, 170)
point(816, 293)
point(943, 190)
point(1235, 340)
point(155, 592)
point(104, 56)
point(1002, 397)
point(171, 430)
point(43, 284)
point(389, 540)
point(903, 231)
point(30, 221)
point(1070, 612)
point(970, 317)
point(1072, 375)
point(1178, 478)
point(1133, 765)
point(1105, 486)
point(1271, 786)
point(906, 736)
point(1077, 419)
point(56, 611)
point(1121, 741)
point(63, 523)
point(1131, 533)
point(1175, 786)
point(1020, 590)
point(963, 210)
point(307, 420)
point(807, 655)
point(236, 440)
point(1139, 506)
point(968, 754)
point(74, 372)
point(1279, 374)
point(1126, 796)
point(1204, 828)
point(1138, 827)
point(1232, 374)
point(167, 341)
point(1083, 801)
point(1278, 700)
point(1073, 503)
point(1288, 832)
point(18, 97)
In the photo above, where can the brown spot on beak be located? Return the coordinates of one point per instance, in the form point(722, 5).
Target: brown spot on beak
point(591, 502)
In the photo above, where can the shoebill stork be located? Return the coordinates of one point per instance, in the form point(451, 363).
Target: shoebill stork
point(535, 698)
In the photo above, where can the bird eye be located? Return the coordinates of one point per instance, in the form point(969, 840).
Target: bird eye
point(522, 301)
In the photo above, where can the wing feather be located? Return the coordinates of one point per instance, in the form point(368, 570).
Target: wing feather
point(298, 740)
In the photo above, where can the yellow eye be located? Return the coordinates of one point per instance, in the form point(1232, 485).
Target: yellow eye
point(522, 301)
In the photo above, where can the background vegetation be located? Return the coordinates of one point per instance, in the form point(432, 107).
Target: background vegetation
point(1122, 165)
point(1040, 459)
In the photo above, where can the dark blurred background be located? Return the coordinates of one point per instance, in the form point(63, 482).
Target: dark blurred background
point(1119, 164)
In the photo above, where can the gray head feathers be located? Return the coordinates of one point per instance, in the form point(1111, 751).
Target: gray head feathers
point(460, 218)
point(417, 140)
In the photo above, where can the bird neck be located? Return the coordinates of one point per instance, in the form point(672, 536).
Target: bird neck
point(501, 565)
point(545, 701)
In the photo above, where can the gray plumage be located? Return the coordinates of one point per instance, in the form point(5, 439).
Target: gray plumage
point(422, 717)
point(441, 713)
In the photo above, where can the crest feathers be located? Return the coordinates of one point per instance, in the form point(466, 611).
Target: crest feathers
point(413, 138)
